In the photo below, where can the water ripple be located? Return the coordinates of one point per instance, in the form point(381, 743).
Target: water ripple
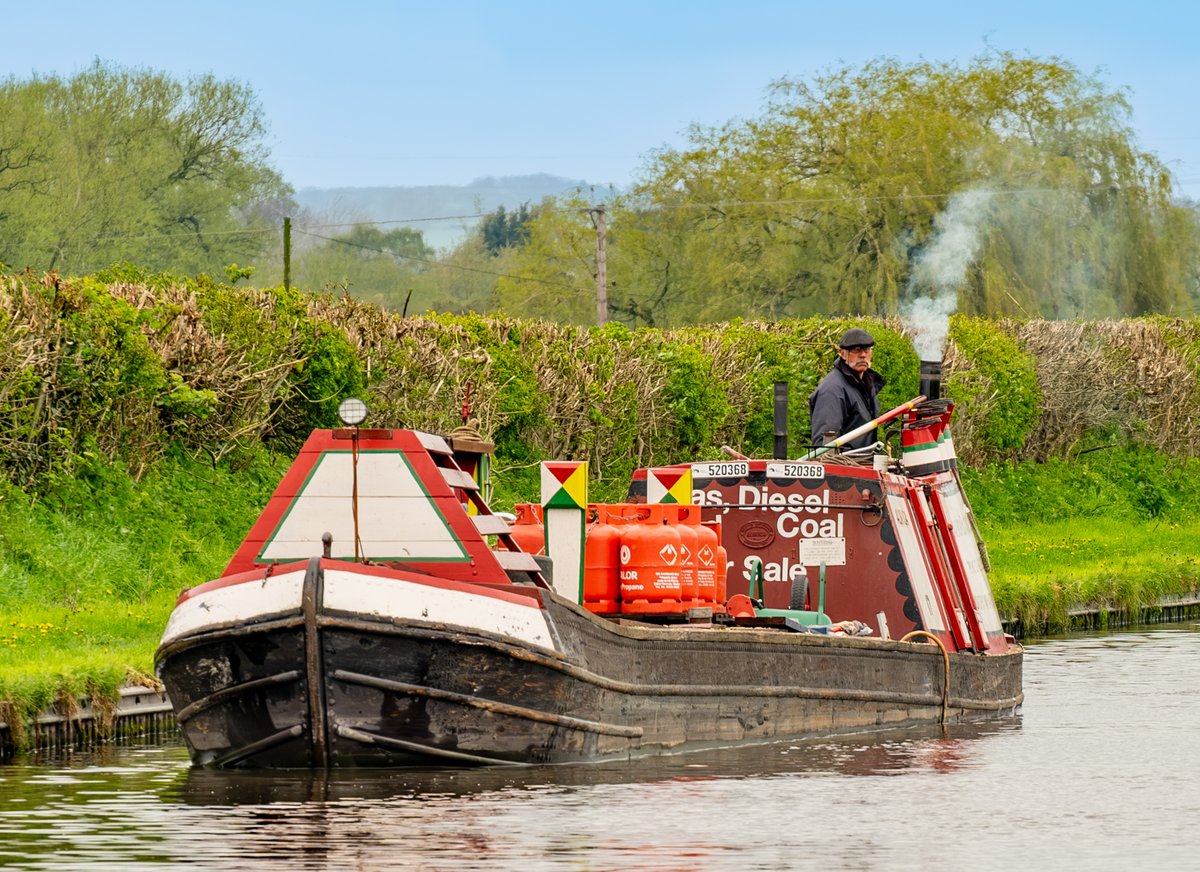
point(1098, 768)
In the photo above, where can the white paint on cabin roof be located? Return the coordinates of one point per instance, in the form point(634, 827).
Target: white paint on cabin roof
point(397, 518)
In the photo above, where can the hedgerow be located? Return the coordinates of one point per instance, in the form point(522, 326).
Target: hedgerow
point(140, 366)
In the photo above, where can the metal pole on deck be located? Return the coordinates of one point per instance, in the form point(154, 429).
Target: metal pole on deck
point(865, 428)
point(781, 420)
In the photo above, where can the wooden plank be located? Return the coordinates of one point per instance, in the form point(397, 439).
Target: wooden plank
point(772, 622)
point(491, 525)
point(517, 560)
point(459, 479)
point(431, 443)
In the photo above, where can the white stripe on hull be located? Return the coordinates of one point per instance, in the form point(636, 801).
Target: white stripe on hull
point(236, 604)
point(388, 598)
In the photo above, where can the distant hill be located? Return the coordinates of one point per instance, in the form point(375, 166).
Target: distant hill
point(442, 212)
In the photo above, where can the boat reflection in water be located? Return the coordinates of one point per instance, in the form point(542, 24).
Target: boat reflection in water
point(897, 752)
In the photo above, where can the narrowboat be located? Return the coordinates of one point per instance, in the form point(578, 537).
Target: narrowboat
point(379, 613)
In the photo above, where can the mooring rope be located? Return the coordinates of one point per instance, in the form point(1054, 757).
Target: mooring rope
point(946, 664)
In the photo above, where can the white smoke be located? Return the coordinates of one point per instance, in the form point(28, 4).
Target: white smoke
point(940, 268)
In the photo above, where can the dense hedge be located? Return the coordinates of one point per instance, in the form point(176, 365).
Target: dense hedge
point(133, 366)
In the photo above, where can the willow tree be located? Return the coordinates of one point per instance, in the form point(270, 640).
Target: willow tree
point(113, 164)
point(829, 202)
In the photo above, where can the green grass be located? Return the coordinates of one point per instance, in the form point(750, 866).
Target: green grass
point(1117, 528)
point(1041, 570)
point(46, 650)
point(89, 573)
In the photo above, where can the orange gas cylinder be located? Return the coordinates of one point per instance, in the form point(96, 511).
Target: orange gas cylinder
point(722, 577)
point(706, 564)
point(527, 529)
point(723, 570)
point(601, 564)
point(650, 576)
point(689, 582)
point(720, 565)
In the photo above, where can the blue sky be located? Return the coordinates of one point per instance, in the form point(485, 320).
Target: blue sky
point(443, 92)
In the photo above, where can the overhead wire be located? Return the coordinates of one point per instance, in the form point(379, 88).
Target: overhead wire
point(660, 207)
point(439, 263)
point(722, 205)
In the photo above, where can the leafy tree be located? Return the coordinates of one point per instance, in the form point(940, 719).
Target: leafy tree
point(367, 261)
point(116, 165)
point(370, 263)
point(501, 229)
point(837, 200)
point(553, 273)
point(401, 242)
point(464, 279)
point(23, 145)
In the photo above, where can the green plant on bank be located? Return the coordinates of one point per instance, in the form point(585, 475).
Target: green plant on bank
point(1113, 529)
point(1041, 571)
point(129, 372)
point(1121, 482)
point(997, 390)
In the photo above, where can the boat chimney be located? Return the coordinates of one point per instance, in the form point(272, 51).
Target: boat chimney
point(781, 420)
point(931, 379)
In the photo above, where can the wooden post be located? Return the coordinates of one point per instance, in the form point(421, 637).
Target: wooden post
point(601, 268)
point(287, 253)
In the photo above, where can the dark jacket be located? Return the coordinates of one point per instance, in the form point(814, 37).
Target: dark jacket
point(843, 401)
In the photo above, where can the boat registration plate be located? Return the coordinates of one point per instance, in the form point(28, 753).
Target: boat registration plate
point(721, 469)
point(795, 469)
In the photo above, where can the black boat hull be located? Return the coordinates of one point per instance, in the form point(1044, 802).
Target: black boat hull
point(390, 685)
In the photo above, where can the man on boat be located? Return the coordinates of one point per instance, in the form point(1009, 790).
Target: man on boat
point(849, 396)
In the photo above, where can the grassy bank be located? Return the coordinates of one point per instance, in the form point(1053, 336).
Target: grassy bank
point(89, 573)
point(1116, 528)
point(1043, 569)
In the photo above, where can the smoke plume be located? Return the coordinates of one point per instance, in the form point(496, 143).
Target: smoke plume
point(939, 269)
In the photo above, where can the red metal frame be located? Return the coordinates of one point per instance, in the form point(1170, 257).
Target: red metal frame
point(941, 582)
point(959, 573)
point(898, 487)
point(481, 565)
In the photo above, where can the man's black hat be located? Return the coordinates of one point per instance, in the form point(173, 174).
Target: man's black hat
point(856, 337)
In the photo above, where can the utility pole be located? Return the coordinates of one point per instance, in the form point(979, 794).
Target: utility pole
point(601, 267)
point(287, 253)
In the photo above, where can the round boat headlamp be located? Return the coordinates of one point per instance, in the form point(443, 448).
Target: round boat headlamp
point(352, 411)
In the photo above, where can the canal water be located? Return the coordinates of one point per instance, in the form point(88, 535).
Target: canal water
point(1101, 770)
